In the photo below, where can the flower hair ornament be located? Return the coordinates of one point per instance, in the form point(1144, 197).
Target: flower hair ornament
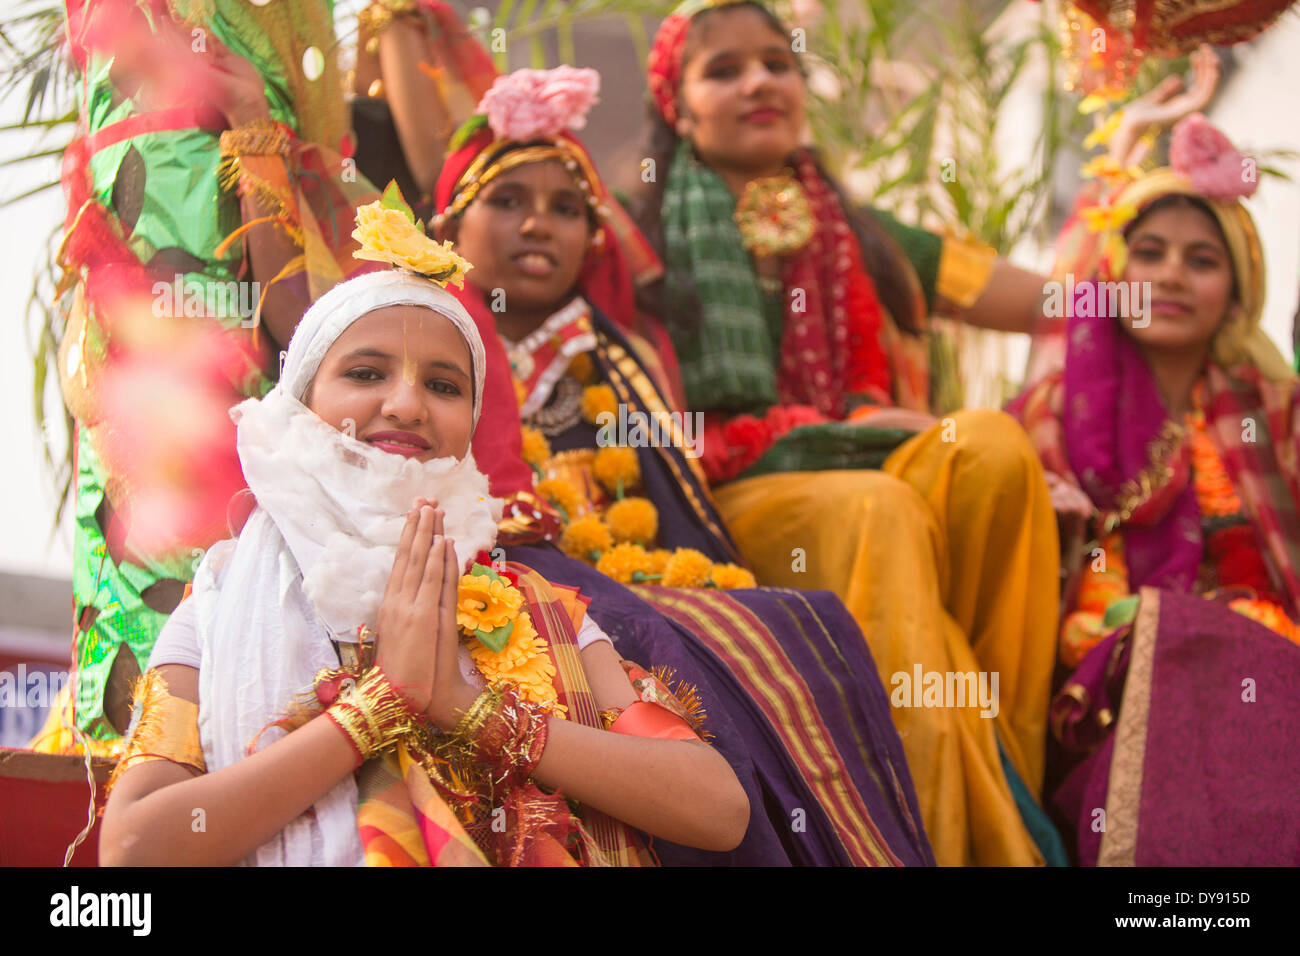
point(388, 231)
point(530, 114)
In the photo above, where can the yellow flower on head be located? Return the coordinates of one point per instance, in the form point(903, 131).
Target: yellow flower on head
point(1108, 218)
point(1116, 251)
point(584, 536)
point(1102, 134)
point(536, 449)
point(614, 464)
point(687, 568)
point(728, 576)
point(484, 604)
point(633, 519)
point(622, 561)
point(596, 400)
point(387, 235)
point(1103, 167)
point(560, 491)
point(521, 393)
point(583, 368)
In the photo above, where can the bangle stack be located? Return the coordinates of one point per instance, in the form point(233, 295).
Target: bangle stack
point(373, 715)
point(505, 734)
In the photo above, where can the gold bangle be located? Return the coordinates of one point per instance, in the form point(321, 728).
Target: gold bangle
point(261, 137)
point(379, 16)
point(373, 714)
point(485, 704)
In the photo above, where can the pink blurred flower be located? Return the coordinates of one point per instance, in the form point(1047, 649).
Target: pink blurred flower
point(1204, 155)
point(805, 13)
point(527, 104)
point(171, 443)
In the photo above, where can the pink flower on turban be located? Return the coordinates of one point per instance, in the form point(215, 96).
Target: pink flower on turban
point(528, 104)
point(1205, 156)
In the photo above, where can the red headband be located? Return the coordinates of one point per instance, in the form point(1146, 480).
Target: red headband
point(621, 257)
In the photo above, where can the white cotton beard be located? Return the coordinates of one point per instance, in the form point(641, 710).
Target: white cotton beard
point(311, 563)
point(341, 504)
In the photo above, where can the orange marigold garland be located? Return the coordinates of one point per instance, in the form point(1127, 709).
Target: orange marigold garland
point(505, 646)
point(1232, 555)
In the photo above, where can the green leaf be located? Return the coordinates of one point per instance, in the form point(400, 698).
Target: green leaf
point(1121, 611)
point(496, 639)
point(393, 199)
point(483, 570)
point(467, 130)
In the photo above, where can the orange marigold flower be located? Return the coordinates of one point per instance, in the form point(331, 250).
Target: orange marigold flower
point(614, 464)
point(687, 568)
point(1268, 614)
point(583, 368)
point(521, 392)
point(560, 491)
point(1214, 491)
point(622, 561)
point(536, 449)
point(485, 604)
point(728, 576)
point(659, 559)
point(1082, 631)
point(596, 400)
point(523, 662)
point(633, 520)
point(584, 536)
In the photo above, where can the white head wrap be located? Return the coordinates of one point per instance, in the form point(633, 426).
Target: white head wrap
point(313, 560)
point(337, 309)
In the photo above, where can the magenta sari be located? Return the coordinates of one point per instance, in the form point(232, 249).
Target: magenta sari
point(1185, 718)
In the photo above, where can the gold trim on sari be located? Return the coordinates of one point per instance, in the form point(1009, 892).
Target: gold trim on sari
point(1124, 791)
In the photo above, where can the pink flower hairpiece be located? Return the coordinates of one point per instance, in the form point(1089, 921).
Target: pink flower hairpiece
point(1204, 155)
point(528, 104)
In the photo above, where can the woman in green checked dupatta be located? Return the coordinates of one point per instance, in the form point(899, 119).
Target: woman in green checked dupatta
point(797, 320)
point(207, 206)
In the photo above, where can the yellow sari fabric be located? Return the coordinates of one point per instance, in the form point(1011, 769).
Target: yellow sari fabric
point(948, 559)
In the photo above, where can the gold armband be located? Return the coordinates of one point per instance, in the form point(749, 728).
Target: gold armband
point(965, 266)
point(163, 727)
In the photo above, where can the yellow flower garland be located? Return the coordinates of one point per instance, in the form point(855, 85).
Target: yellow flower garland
point(536, 449)
point(598, 400)
point(633, 521)
point(485, 603)
point(617, 468)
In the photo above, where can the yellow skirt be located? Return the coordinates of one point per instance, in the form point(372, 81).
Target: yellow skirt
point(948, 559)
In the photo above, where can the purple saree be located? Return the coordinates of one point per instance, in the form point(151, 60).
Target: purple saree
point(1187, 715)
